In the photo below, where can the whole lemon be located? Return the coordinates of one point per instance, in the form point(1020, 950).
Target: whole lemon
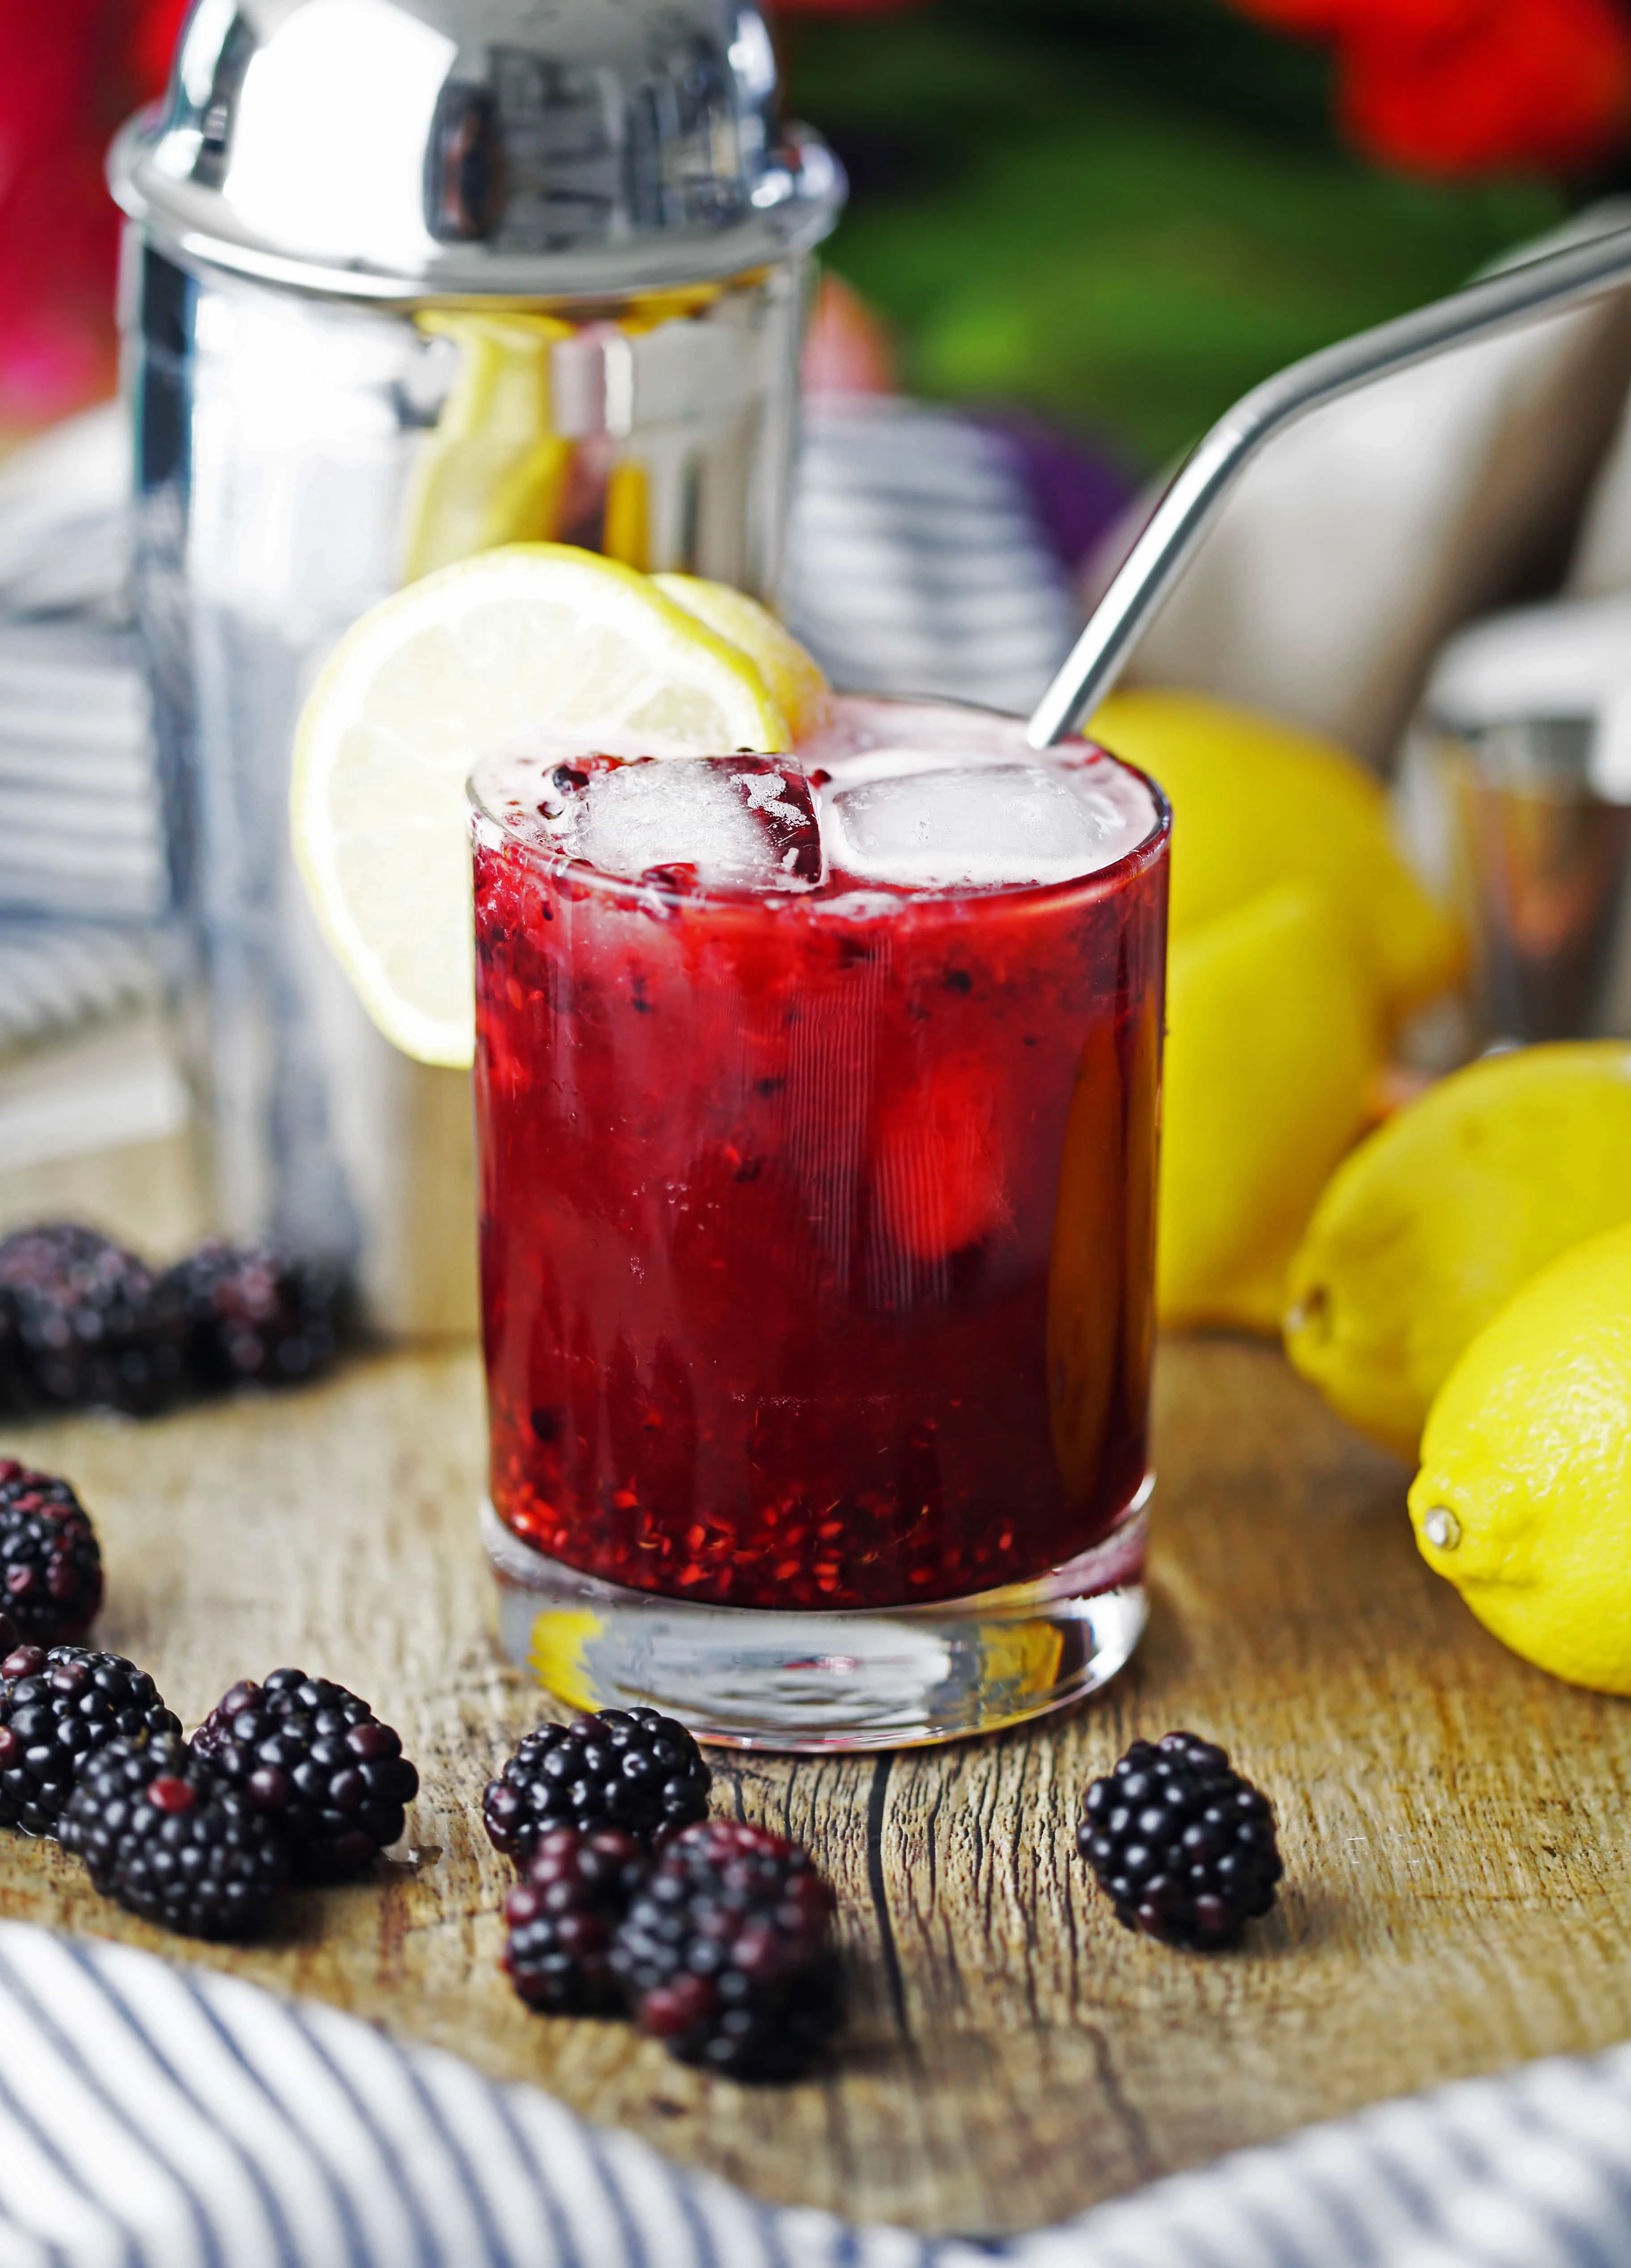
point(1433, 1223)
point(1256, 802)
point(1272, 1040)
point(1524, 1498)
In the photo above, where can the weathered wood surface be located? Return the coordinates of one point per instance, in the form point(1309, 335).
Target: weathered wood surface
point(1456, 1827)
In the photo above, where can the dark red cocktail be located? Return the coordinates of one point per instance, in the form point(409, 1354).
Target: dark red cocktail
point(817, 1159)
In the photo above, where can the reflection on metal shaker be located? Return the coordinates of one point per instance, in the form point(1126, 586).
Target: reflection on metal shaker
point(1522, 754)
point(399, 287)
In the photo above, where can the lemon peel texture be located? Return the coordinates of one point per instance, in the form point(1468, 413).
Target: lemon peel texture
point(1444, 1213)
point(1272, 1040)
point(1256, 802)
point(1524, 1498)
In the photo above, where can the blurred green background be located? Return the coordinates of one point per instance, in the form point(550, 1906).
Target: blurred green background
point(1119, 213)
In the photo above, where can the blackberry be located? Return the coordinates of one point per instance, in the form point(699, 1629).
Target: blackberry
point(93, 1323)
point(725, 1953)
point(16, 1395)
point(1182, 1844)
point(50, 1562)
point(315, 1761)
point(562, 1918)
point(56, 1709)
point(627, 1768)
point(255, 1314)
point(166, 1836)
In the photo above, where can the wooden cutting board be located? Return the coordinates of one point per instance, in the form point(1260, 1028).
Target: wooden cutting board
point(1456, 1826)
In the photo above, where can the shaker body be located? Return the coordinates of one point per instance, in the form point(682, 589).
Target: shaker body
point(298, 456)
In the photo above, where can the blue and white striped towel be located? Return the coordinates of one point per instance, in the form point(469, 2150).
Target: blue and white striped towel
point(153, 2117)
point(916, 563)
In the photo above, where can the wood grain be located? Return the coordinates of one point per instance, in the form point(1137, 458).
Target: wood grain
point(1456, 1826)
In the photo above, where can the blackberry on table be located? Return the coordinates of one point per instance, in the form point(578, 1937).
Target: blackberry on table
point(255, 1314)
point(1183, 1845)
point(562, 1918)
point(314, 1760)
point(50, 1562)
point(631, 1768)
point(17, 1394)
point(166, 1836)
point(93, 1323)
point(726, 1954)
point(57, 1708)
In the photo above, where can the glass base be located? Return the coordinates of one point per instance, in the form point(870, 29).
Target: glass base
point(878, 1677)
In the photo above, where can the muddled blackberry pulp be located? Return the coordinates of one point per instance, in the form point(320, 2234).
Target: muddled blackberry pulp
point(816, 1220)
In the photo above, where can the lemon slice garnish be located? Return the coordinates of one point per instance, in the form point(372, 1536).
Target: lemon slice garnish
point(533, 637)
point(793, 676)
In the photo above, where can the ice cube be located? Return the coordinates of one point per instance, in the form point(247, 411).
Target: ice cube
point(741, 822)
point(866, 738)
point(983, 824)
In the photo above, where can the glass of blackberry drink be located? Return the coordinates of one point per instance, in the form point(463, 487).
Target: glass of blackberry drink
point(817, 1105)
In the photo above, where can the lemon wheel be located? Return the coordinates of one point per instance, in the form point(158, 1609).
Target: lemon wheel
point(533, 637)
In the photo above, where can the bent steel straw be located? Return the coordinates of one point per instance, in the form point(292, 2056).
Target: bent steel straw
point(1502, 302)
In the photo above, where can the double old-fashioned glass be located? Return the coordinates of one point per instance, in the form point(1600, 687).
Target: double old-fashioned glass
point(818, 1101)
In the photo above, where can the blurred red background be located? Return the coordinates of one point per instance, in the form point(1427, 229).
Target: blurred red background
point(1464, 87)
point(68, 74)
point(1451, 89)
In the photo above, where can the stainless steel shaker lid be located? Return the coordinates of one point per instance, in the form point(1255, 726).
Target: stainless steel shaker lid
point(406, 148)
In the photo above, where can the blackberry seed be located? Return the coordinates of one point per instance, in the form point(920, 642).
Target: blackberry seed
point(727, 1953)
point(631, 1769)
point(162, 1833)
point(314, 1760)
point(93, 1325)
point(562, 1918)
point(50, 1562)
point(1182, 1844)
point(57, 1708)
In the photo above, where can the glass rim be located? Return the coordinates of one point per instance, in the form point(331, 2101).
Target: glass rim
point(883, 897)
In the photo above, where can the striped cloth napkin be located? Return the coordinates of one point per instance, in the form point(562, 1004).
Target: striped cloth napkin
point(916, 563)
point(81, 855)
point(153, 2117)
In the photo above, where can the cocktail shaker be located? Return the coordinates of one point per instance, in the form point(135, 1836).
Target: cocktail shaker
point(405, 279)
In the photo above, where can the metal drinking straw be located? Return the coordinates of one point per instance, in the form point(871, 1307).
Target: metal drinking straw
point(1499, 302)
